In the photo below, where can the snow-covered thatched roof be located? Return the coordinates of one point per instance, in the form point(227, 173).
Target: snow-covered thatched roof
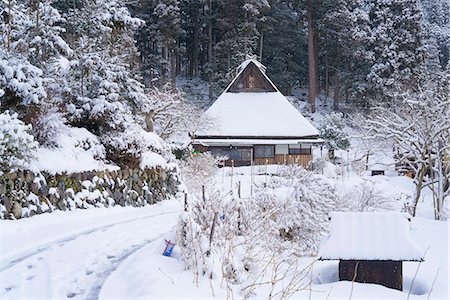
point(256, 114)
point(369, 236)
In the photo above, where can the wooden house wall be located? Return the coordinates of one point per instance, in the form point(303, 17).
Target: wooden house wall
point(286, 159)
point(384, 272)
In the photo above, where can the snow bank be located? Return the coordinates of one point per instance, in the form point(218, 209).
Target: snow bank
point(77, 150)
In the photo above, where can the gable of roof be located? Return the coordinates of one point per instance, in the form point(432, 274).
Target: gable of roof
point(263, 112)
point(369, 236)
point(251, 78)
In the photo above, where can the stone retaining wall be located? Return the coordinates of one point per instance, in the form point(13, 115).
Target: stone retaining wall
point(24, 193)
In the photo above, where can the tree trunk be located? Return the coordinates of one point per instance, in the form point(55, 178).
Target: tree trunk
point(336, 80)
point(9, 25)
point(210, 53)
point(195, 50)
point(327, 80)
point(261, 42)
point(336, 91)
point(312, 61)
point(419, 184)
point(178, 57)
point(228, 60)
point(173, 69)
point(164, 64)
point(37, 16)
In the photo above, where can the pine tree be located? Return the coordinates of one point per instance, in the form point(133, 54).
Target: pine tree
point(397, 48)
point(284, 46)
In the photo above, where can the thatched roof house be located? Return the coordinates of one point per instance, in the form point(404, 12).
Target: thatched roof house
point(256, 123)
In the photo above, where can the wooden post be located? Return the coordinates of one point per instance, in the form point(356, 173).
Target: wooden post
point(367, 161)
point(239, 190)
point(203, 194)
point(185, 201)
point(213, 226)
point(232, 174)
point(239, 221)
point(251, 174)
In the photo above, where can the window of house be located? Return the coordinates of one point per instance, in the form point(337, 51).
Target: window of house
point(299, 150)
point(232, 154)
point(264, 151)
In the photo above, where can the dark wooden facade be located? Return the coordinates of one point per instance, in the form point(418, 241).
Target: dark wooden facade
point(251, 80)
point(384, 272)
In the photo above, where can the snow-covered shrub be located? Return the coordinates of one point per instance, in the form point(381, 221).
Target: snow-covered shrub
point(332, 130)
point(198, 171)
point(48, 127)
point(17, 145)
point(299, 202)
point(365, 197)
point(126, 148)
point(236, 241)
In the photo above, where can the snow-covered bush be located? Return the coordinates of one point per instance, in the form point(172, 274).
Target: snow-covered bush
point(198, 171)
point(332, 130)
point(299, 202)
point(48, 127)
point(17, 145)
point(127, 147)
point(365, 197)
point(239, 242)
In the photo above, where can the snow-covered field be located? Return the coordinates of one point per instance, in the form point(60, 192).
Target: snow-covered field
point(116, 253)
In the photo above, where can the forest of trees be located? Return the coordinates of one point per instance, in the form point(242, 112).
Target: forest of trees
point(357, 51)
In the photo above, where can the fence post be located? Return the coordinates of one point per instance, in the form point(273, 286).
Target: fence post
point(203, 194)
point(185, 201)
point(239, 190)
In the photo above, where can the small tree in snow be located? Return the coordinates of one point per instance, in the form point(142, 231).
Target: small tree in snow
point(420, 131)
point(300, 203)
point(332, 131)
point(17, 145)
point(173, 116)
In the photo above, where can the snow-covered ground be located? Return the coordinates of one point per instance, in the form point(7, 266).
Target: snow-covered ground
point(71, 254)
point(116, 253)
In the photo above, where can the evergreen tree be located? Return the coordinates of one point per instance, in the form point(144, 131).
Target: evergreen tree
point(396, 46)
point(284, 47)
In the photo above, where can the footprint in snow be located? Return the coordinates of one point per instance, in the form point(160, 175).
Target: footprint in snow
point(9, 288)
point(30, 277)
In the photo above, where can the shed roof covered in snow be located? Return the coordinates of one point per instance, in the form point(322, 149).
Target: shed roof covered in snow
point(252, 107)
point(369, 236)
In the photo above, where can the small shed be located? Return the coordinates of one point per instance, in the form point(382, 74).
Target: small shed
point(370, 247)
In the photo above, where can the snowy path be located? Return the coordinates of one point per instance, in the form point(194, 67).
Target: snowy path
point(70, 255)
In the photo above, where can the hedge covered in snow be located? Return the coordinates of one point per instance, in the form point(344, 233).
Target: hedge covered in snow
point(24, 193)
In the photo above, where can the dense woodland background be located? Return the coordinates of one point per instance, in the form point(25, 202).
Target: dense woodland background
point(361, 50)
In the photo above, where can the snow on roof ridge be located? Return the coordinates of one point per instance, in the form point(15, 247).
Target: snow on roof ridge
point(241, 69)
point(248, 60)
